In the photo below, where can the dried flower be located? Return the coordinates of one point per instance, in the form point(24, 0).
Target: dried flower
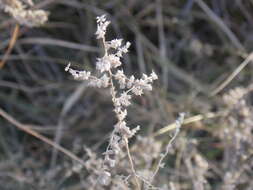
point(22, 14)
point(123, 100)
point(115, 44)
point(102, 24)
point(128, 86)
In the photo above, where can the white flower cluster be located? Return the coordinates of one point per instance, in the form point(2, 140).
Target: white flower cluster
point(24, 16)
point(121, 87)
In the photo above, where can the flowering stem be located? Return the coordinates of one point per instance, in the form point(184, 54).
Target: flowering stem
point(178, 122)
point(120, 94)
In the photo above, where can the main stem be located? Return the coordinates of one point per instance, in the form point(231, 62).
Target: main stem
point(113, 94)
point(132, 164)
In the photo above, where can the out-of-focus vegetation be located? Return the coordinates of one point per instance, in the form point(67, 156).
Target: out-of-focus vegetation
point(201, 51)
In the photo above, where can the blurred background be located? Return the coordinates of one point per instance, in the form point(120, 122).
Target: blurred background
point(201, 52)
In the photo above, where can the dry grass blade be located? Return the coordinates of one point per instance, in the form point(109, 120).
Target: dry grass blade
point(188, 121)
point(222, 25)
point(60, 43)
point(11, 45)
point(162, 42)
point(233, 75)
point(28, 130)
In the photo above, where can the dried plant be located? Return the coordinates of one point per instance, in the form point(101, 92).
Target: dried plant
point(22, 12)
point(122, 88)
point(238, 139)
point(214, 148)
point(121, 94)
